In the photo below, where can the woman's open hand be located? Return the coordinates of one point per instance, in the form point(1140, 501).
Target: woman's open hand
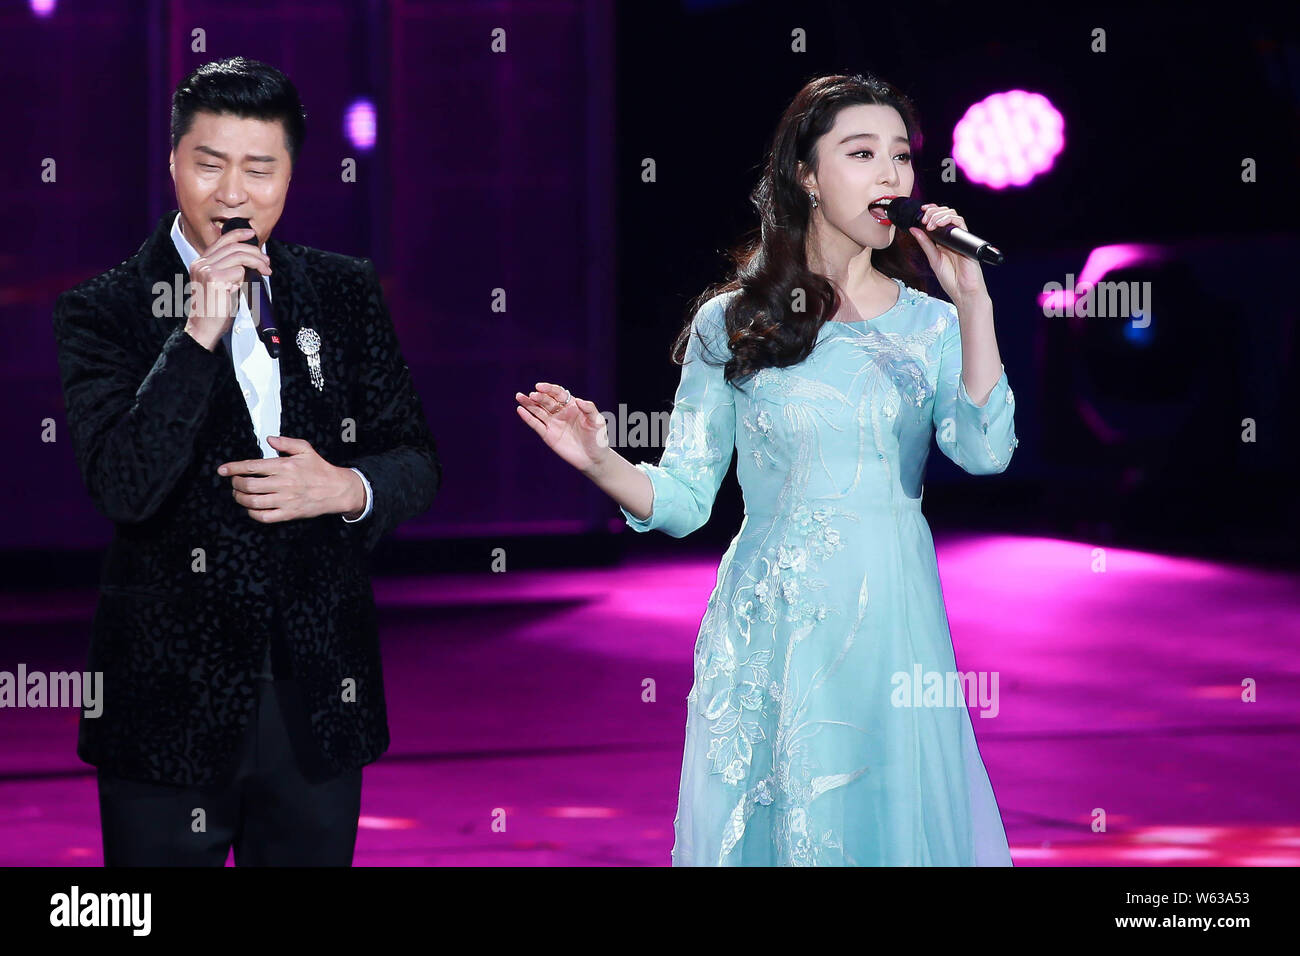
point(573, 427)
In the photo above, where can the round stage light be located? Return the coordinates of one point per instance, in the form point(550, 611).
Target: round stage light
point(1007, 139)
point(360, 123)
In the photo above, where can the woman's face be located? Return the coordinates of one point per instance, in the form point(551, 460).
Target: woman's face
point(864, 156)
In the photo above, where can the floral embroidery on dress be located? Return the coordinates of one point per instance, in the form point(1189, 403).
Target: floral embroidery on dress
point(903, 359)
point(691, 445)
point(735, 709)
point(744, 698)
point(771, 379)
point(759, 424)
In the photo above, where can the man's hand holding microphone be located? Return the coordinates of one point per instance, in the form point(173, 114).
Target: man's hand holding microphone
point(216, 276)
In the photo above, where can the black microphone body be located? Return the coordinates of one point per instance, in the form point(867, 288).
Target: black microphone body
point(905, 213)
point(265, 331)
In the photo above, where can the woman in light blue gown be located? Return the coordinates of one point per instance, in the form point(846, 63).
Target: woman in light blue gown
point(822, 727)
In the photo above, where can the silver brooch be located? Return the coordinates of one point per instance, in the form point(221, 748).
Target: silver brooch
point(309, 344)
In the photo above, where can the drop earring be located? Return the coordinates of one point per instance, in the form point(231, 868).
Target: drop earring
point(812, 196)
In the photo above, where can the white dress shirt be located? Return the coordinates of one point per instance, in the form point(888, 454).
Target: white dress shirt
point(257, 372)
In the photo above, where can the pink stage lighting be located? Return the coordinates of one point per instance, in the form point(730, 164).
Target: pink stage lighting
point(1100, 261)
point(1007, 139)
point(359, 123)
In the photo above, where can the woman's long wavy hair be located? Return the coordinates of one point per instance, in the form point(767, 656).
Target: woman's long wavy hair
point(762, 328)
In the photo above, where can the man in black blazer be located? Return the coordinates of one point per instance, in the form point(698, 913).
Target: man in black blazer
point(236, 627)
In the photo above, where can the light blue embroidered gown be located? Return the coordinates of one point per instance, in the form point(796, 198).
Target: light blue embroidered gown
point(799, 749)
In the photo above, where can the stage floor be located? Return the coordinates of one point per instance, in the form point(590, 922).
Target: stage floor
point(521, 693)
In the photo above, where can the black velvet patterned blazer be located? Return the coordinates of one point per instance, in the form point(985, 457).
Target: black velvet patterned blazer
point(192, 588)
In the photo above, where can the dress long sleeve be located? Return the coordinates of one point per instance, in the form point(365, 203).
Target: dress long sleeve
point(701, 433)
point(978, 438)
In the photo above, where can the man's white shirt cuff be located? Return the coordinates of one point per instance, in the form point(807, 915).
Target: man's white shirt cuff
point(370, 497)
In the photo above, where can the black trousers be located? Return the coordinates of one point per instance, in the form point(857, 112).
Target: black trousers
point(278, 807)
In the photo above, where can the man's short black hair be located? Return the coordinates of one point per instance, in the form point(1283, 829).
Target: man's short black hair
point(248, 89)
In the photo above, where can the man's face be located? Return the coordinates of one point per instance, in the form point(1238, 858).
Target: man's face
point(227, 167)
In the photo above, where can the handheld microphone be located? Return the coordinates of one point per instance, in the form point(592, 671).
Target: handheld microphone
point(905, 212)
point(266, 330)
